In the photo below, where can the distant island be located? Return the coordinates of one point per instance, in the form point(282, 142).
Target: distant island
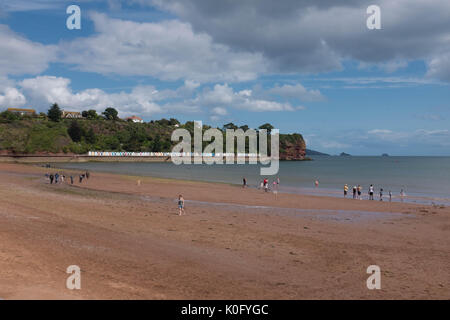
point(343, 154)
point(385, 155)
point(310, 152)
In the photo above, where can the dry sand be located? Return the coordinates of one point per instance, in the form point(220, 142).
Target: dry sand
point(233, 243)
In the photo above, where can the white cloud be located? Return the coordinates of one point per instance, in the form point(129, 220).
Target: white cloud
point(42, 91)
point(45, 90)
point(19, 55)
point(439, 66)
point(167, 50)
point(11, 97)
point(225, 96)
point(297, 91)
point(316, 36)
point(219, 111)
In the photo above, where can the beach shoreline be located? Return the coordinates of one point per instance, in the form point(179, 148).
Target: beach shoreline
point(234, 243)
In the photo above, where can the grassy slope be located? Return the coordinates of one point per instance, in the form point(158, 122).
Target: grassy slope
point(29, 136)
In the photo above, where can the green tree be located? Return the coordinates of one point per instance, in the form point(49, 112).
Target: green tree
point(90, 136)
point(75, 132)
point(111, 114)
point(156, 145)
point(173, 121)
point(266, 126)
point(54, 113)
point(244, 127)
point(90, 114)
point(8, 116)
point(230, 125)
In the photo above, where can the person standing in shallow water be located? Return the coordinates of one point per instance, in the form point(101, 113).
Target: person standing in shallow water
point(371, 192)
point(181, 205)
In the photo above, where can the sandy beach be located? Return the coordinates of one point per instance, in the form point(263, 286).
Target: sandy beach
point(233, 243)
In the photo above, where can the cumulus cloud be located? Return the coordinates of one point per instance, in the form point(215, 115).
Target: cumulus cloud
point(316, 36)
point(439, 66)
point(224, 96)
point(11, 97)
point(297, 91)
point(19, 55)
point(168, 50)
point(44, 90)
point(41, 91)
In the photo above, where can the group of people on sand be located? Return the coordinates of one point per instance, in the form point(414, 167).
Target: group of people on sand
point(59, 178)
point(265, 185)
point(357, 192)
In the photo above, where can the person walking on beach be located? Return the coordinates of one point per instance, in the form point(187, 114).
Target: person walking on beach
point(402, 194)
point(345, 190)
point(390, 196)
point(87, 175)
point(266, 185)
point(244, 182)
point(354, 192)
point(51, 178)
point(181, 205)
point(81, 178)
point(359, 192)
point(371, 192)
point(56, 178)
point(381, 194)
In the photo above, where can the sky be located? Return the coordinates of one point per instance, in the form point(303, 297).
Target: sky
point(312, 67)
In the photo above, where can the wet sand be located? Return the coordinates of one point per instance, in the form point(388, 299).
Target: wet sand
point(233, 243)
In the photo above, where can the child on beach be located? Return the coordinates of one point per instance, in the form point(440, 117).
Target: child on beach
point(371, 192)
point(359, 192)
point(181, 205)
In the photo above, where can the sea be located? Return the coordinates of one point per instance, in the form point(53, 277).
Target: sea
point(424, 180)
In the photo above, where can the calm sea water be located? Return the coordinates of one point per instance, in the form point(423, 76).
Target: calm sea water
point(423, 179)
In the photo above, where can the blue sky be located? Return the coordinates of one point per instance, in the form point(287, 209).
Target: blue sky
point(316, 70)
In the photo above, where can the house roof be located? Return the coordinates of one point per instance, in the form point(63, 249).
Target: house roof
point(22, 110)
point(71, 112)
point(134, 118)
